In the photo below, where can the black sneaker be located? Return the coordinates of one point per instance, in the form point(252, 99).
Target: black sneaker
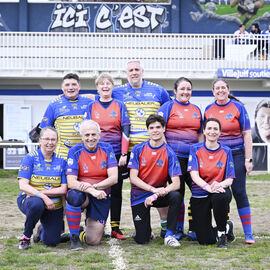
point(162, 233)
point(65, 237)
point(24, 244)
point(75, 243)
point(222, 241)
point(36, 237)
point(230, 236)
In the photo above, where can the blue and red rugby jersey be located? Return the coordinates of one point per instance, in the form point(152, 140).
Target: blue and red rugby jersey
point(110, 119)
point(233, 118)
point(91, 167)
point(212, 165)
point(154, 166)
point(184, 123)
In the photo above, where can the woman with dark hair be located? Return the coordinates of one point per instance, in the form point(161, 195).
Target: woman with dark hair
point(183, 128)
point(236, 134)
point(261, 134)
point(212, 171)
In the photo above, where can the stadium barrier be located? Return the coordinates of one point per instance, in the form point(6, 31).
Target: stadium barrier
point(29, 54)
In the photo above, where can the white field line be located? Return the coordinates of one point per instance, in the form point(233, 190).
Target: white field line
point(116, 253)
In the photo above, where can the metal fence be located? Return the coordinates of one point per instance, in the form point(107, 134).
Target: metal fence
point(25, 52)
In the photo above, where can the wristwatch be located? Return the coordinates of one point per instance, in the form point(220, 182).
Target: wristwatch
point(95, 186)
point(123, 154)
point(248, 159)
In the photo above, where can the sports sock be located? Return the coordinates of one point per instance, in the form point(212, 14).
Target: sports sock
point(168, 233)
point(163, 224)
point(73, 215)
point(219, 233)
point(245, 216)
point(115, 225)
point(181, 218)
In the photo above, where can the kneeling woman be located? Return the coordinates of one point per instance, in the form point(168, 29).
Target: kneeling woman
point(42, 182)
point(212, 171)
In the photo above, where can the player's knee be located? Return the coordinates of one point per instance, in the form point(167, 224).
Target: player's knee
point(92, 240)
point(175, 197)
point(36, 205)
point(75, 197)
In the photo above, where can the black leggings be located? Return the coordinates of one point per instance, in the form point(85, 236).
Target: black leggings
point(202, 215)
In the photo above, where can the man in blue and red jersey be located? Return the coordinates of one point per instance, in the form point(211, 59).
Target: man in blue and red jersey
point(91, 171)
point(65, 114)
point(152, 163)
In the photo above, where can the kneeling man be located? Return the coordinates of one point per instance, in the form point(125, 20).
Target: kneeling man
point(152, 164)
point(91, 171)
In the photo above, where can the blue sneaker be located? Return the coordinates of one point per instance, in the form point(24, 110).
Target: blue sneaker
point(249, 239)
point(179, 235)
point(192, 236)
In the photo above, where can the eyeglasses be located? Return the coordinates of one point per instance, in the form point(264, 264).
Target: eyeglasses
point(49, 139)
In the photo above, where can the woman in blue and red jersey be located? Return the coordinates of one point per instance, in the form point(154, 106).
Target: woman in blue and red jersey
point(183, 128)
point(236, 134)
point(212, 170)
point(112, 116)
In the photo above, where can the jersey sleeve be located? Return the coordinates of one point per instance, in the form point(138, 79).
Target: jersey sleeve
point(174, 165)
point(72, 167)
point(192, 160)
point(88, 112)
point(243, 118)
point(111, 162)
point(165, 110)
point(48, 117)
point(26, 168)
point(230, 172)
point(63, 174)
point(164, 96)
point(134, 158)
point(124, 114)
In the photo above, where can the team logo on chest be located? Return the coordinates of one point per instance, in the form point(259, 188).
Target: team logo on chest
point(219, 165)
point(195, 116)
point(77, 126)
point(159, 163)
point(85, 168)
point(229, 116)
point(103, 165)
point(143, 162)
point(140, 112)
point(180, 114)
point(113, 114)
point(96, 114)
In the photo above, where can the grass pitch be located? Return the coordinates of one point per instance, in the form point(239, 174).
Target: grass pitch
point(116, 254)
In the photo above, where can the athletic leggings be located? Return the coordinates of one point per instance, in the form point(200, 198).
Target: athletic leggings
point(202, 215)
point(51, 220)
point(239, 183)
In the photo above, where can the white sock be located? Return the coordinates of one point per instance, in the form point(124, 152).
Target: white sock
point(227, 228)
point(220, 233)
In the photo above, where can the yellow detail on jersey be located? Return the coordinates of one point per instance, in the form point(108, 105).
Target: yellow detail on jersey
point(68, 132)
point(138, 112)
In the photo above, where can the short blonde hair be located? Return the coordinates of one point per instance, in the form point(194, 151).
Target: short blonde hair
point(103, 76)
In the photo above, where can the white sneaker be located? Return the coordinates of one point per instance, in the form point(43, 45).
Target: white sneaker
point(171, 241)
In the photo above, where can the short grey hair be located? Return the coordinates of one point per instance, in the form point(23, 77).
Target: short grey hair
point(47, 128)
point(89, 123)
point(104, 76)
point(135, 61)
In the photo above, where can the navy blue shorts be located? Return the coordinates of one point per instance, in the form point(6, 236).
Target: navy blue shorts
point(98, 209)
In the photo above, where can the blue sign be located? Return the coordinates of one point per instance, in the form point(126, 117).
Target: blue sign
point(243, 73)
